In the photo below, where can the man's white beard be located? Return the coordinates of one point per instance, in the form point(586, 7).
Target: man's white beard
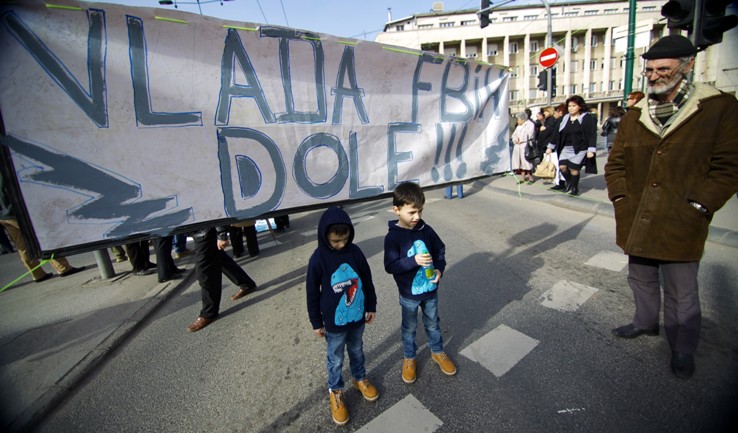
point(667, 87)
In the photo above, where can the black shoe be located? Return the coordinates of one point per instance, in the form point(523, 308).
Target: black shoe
point(179, 271)
point(142, 272)
point(72, 271)
point(170, 278)
point(630, 331)
point(44, 278)
point(574, 191)
point(558, 187)
point(682, 365)
point(150, 265)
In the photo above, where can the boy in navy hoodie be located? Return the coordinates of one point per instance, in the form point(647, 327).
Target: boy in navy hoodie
point(416, 258)
point(340, 299)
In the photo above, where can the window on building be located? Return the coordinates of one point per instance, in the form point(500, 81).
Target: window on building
point(449, 24)
point(595, 40)
point(573, 89)
point(620, 85)
point(590, 12)
point(610, 11)
point(534, 46)
point(593, 65)
point(492, 53)
point(612, 85)
point(648, 8)
point(574, 44)
point(469, 23)
point(513, 48)
point(509, 19)
point(471, 55)
point(575, 66)
point(492, 20)
point(622, 62)
point(592, 87)
point(571, 13)
point(530, 17)
point(513, 95)
point(450, 51)
point(400, 28)
point(534, 70)
point(425, 26)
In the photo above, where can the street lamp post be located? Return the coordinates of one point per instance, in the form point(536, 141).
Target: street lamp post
point(549, 43)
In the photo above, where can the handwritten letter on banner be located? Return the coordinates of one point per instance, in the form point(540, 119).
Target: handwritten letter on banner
point(125, 120)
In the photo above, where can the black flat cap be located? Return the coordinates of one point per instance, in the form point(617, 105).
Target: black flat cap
point(670, 47)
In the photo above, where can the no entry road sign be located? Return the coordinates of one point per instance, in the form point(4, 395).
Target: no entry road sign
point(548, 57)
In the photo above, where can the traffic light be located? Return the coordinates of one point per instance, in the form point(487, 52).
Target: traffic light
point(679, 13)
point(553, 82)
point(542, 81)
point(484, 14)
point(713, 23)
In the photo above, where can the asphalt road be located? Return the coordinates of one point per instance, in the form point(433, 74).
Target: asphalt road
point(527, 303)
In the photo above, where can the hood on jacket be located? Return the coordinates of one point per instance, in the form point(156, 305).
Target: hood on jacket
point(333, 215)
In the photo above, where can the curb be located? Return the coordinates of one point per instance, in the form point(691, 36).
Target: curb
point(43, 405)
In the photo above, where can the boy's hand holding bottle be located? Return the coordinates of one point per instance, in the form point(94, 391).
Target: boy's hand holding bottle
point(424, 260)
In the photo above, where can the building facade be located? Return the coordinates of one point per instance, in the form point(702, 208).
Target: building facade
point(591, 38)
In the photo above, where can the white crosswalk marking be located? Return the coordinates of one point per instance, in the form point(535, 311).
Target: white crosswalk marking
point(608, 260)
point(499, 350)
point(407, 415)
point(567, 296)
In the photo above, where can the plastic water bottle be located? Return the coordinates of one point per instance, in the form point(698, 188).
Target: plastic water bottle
point(430, 273)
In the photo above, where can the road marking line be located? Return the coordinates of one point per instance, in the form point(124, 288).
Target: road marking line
point(407, 415)
point(609, 260)
point(499, 350)
point(567, 296)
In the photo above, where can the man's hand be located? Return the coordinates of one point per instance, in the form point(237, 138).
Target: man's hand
point(222, 244)
point(320, 332)
point(369, 317)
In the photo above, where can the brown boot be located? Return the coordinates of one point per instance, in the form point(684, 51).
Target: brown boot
point(339, 412)
point(408, 370)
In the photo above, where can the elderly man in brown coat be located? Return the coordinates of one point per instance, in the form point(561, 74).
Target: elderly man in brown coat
point(673, 164)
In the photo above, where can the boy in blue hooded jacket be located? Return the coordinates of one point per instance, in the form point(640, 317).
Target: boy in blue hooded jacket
point(340, 300)
point(416, 257)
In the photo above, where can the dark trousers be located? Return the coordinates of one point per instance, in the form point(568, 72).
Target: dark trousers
point(682, 313)
point(165, 266)
point(252, 242)
point(138, 255)
point(210, 265)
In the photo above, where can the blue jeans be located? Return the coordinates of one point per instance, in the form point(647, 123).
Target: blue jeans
point(180, 242)
point(352, 339)
point(431, 321)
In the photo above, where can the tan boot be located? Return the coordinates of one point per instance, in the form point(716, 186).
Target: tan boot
point(443, 361)
point(408, 370)
point(338, 408)
point(368, 390)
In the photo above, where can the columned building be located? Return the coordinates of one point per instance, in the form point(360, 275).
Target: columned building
point(591, 39)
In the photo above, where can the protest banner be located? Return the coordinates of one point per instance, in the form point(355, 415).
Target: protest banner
point(123, 121)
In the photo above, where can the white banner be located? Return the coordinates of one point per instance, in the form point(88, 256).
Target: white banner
point(128, 120)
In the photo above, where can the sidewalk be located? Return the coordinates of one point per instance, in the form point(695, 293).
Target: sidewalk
point(55, 333)
point(593, 199)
